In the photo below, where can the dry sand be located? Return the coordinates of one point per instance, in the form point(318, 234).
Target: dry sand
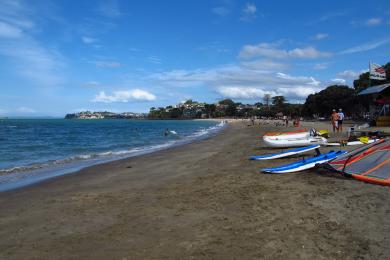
point(204, 200)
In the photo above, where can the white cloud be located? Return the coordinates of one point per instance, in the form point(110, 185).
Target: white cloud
point(29, 58)
point(271, 51)
point(338, 81)
point(321, 36)
point(264, 65)
point(9, 31)
point(241, 82)
point(34, 62)
point(243, 92)
point(321, 66)
point(299, 92)
point(365, 47)
point(221, 11)
point(250, 9)
point(329, 16)
point(108, 64)
point(374, 21)
point(299, 80)
point(25, 110)
point(350, 74)
point(124, 96)
point(249, 12)
point(296, 93)
point(308, 52)
point(88, 40)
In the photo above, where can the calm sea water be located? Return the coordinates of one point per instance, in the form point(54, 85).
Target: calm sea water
point(48, 147)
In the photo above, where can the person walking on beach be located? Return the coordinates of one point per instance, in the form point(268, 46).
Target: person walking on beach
point(334, 119)
point(340, 120)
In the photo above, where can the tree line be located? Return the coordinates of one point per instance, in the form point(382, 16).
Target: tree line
point(272, 106)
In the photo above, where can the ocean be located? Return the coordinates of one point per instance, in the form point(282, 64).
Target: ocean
point(33, 150)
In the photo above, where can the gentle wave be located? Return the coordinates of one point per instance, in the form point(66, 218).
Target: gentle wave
point(116, 154)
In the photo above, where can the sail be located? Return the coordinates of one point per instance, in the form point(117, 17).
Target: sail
point(371, 163)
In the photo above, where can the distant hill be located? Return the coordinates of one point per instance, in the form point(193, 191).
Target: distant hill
point(105, 115)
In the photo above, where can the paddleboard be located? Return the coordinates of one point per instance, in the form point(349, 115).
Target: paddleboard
point(305, 163)
point(352, 143)
point(284, 154)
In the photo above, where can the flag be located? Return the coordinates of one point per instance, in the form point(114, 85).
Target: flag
point(377, 72)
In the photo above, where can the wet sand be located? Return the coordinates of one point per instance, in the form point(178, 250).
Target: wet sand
point(204, 200)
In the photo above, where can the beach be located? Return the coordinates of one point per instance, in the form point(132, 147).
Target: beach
point(203, 200)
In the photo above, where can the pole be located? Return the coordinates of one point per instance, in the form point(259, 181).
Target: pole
point(369, 73)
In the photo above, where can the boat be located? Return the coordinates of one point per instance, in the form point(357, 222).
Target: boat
point(284, 154)
point(302, 133)
point(305, 164)
point(295, 142)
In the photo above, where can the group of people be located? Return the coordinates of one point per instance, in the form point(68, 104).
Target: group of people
point(337, 119)
point(296, 121)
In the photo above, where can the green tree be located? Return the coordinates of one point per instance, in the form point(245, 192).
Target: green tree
point(231, 110)
point(333, 97)
point(210, 109)
point(219, 113)
point(176, 113)
point(278, 101)
point(267, 100)
point(226, 102)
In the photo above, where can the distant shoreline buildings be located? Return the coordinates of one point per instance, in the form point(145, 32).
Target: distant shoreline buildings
point(106, 115)
point(193, 110)
point(186, 110)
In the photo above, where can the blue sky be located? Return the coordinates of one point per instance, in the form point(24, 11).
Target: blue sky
point(59, 57)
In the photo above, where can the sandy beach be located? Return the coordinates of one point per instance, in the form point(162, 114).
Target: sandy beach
point(203, 200)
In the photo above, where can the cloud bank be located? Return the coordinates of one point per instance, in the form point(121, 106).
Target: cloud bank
point(124, 96)
point(272, 51)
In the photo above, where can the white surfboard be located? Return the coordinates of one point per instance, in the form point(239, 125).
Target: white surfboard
point(284, 154)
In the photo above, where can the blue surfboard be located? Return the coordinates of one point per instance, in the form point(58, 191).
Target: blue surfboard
point(285, 154)
point(305, 163)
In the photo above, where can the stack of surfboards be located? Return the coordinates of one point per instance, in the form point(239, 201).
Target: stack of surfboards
point(306, 164)
point(300, 165)
point(294, 139)
point(307, 140)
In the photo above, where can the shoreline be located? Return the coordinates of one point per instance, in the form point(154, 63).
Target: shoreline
point(201, 200)
point(20, 179)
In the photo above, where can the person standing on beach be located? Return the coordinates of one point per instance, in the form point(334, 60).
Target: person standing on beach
point(340, 120)
point(334, 119)
point(285, 119)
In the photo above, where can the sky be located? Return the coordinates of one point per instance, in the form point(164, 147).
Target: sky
point(66, 56)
